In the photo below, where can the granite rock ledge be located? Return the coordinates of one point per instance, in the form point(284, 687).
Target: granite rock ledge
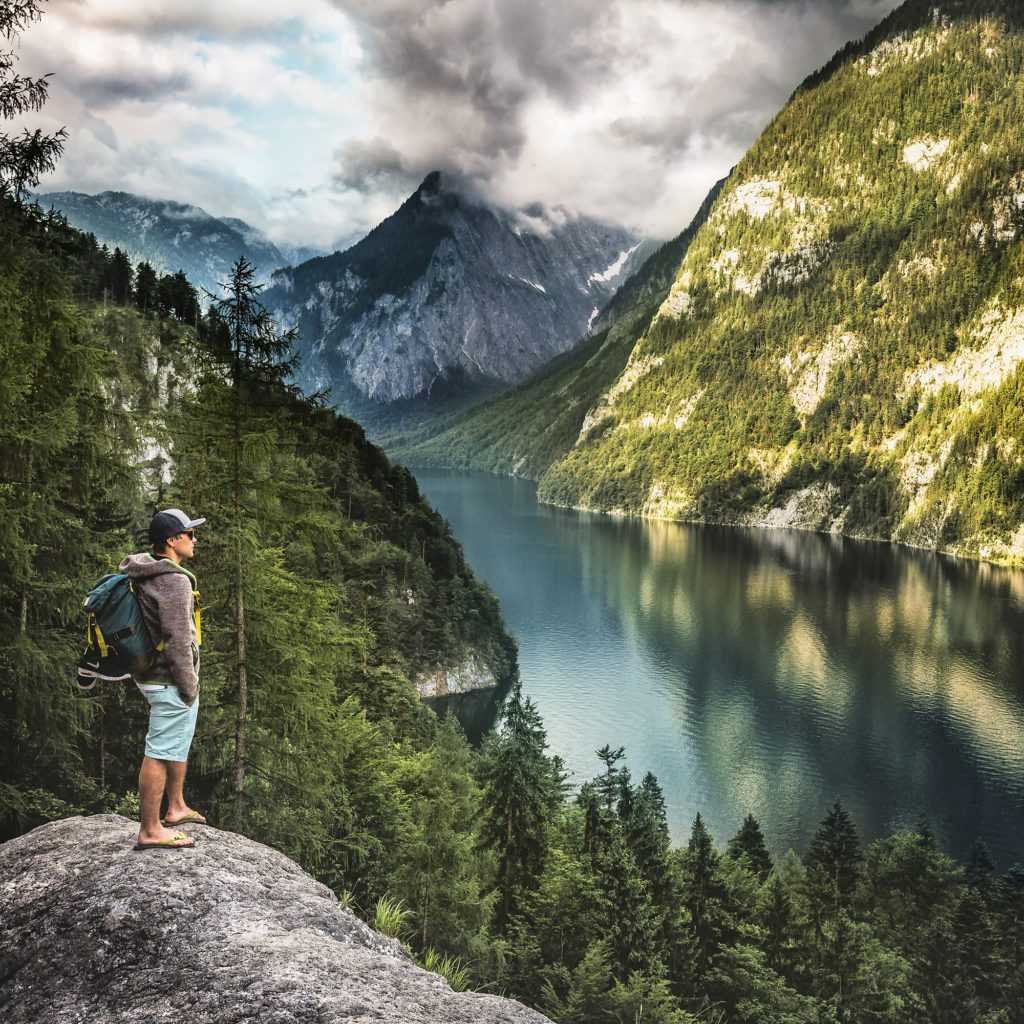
point(229, 930)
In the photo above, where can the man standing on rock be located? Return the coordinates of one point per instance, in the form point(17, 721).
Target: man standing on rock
point(166, 592)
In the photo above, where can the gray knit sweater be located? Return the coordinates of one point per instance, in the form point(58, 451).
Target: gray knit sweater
point(164, 592)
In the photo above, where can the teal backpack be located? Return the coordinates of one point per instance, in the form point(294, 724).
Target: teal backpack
point(115, 627)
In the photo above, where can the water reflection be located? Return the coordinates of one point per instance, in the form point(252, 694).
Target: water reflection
point(766, 671)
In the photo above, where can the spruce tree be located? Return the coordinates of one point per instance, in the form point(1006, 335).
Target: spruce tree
point(833, 863)
point(145, 296)
point(441, 873)
point(749, 842)
point(520, 797)
point(26, 157)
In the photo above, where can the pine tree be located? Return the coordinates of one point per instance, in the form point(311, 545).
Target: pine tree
point(120, 277)
point(778, 921)
point(749, 842)
point(833, 863)
point(145, 297)
point(520, 797)
point(441, 874)
point(26, 157)
point(62, 474)
point(588, 998)
point(710, 921)
point(259, 362)
point(609, 784)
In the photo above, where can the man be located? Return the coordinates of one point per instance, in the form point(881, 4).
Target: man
point(166, 592)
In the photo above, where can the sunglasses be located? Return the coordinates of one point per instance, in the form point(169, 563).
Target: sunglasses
point(191, 534)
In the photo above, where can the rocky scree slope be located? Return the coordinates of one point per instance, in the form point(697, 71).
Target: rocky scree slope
point(841, 349)
point(446, 300)
point(226, 931)
point(524, 430)
point(173, 236)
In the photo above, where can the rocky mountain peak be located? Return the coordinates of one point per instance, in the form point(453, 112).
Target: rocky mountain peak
point(446, 300)
point(227, 930)
point(431, 184)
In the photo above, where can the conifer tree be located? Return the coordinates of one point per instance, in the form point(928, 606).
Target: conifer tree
point(710, 919)
point(65, 491)
point(145, 296)
point(777, 919)
point(259, 357)
point(120, 278)
point(833, 863)
point(441, 874)
point(647, 835)
point(520, 796)
point(749, 842)
point(588, 996)
point(25, 157)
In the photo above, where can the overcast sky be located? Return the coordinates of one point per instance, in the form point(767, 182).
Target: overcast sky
point(315, 125)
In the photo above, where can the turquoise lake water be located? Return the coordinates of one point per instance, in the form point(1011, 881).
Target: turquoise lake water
point(763, 671)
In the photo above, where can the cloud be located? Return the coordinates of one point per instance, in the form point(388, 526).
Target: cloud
point(567, 103)
point(314, 121)
point(228, 105)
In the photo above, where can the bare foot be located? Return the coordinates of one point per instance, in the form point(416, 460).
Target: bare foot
point(164, 837)
point(183, 815)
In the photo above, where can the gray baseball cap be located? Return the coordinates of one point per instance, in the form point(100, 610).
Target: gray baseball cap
point(169, 523)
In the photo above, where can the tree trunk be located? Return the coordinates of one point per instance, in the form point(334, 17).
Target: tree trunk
point(242, 709)
point(243, 695)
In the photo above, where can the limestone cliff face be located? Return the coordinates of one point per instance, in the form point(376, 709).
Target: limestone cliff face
point(226, 931)
point(451, 679)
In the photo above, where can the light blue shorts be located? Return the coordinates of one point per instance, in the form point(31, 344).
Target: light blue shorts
point(172, 722)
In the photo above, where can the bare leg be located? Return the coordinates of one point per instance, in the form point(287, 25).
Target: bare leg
point(176, 806)
point(153, 779)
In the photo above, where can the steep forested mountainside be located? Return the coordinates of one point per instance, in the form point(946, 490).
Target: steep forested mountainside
point(173, 236)
point(842, 347)
point(523, 431)
point(329, 585)
point(446, 300)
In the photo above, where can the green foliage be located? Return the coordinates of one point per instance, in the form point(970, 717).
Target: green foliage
point(25, 157)
point(350, 585)
point(391, 917)
point(749, 843)
point(450, 968)
point(521, 793)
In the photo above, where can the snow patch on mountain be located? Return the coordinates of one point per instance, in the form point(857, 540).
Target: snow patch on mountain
point(615, 268)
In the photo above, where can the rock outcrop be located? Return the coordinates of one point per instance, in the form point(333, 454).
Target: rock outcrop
point(228, 930)
point(445, 681)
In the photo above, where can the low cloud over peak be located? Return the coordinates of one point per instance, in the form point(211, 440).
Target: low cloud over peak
point(567, 102)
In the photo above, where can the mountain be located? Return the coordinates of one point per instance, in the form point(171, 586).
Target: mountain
point(173, 236)
point(524, 430)
point(841, 347)
point(445, 300)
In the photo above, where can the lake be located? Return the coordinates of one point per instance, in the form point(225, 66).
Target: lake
point(762, 671)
